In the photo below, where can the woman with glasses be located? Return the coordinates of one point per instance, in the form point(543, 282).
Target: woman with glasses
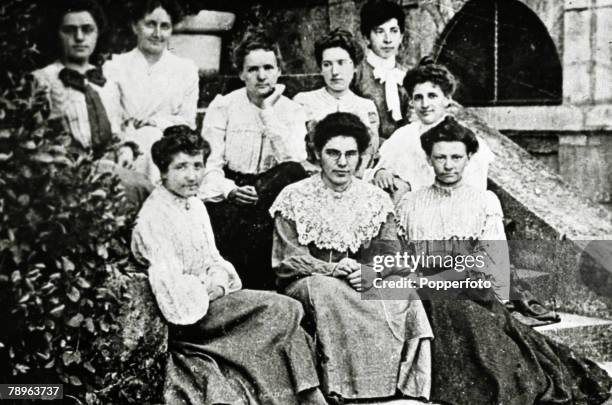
point(328, 230)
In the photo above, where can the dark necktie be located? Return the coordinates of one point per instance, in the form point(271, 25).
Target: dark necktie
point(101, 134)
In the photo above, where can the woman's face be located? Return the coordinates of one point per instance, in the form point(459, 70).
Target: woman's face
point(337, 69)
point(153, 32)
point(448, 159)
point(184, 174)
point(78, 35)
point(385, 39)
point(339, 159)
point(260, 73)
point(429, 102)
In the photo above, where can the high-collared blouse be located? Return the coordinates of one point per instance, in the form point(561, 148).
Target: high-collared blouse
point(247, 139)
point(69, 104)
point(458, 212)
point(173, 236)
point(403, 155)
point(165, 93)
point(320, 103)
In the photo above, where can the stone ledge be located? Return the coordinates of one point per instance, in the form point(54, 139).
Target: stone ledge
point(547, 118)
point(206, 21)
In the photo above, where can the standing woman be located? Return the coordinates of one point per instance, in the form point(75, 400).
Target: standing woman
point(158, 89)
point(379, 76)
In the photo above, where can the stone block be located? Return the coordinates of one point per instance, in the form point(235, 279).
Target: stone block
point(603, 36)
point(599, 117)
point(533, 118)
point(204, 50)
point(577, 4)
point(584, 162)
point(577, 83)
point(603, 83)
point(577, 43)
point(206, 21)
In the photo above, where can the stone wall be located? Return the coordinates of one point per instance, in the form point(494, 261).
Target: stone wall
point(575, 137)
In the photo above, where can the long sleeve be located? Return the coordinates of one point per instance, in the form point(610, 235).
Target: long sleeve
point(388, 155)
point(291, 260)
point(286, 136)
point(386, 243)
point(182, 298)
point(216, 186)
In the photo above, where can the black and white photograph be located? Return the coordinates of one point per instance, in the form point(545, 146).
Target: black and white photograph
point(306, 202)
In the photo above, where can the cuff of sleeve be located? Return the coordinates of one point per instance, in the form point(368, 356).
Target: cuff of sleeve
point(228, 186)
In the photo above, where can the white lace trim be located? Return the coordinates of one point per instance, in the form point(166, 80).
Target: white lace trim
point(339, 221)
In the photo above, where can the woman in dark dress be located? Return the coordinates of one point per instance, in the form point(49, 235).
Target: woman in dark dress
point(481, 354)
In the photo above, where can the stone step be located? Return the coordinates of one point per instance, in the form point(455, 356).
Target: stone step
point(573, 290)
point(589, 336)
point(607, 366)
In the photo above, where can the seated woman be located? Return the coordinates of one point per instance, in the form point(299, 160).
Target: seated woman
point(337, 54)
point(327, 229)
point(402, 160)
point(257, 137)
point(228, 346)
point(158, 89)
point(79, 94)
point(481, 354)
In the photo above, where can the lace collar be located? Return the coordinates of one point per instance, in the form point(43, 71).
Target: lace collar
point(339, 221)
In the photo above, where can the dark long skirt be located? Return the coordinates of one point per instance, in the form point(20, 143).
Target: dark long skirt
point(243, 234)
point(248, 349)
point(482, 355)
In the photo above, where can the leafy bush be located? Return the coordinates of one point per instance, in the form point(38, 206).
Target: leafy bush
point(63, 241)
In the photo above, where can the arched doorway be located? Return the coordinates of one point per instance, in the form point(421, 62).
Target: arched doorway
point(502, 54)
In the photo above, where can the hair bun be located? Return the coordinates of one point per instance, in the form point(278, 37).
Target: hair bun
point(427, 61)
point(176, 130)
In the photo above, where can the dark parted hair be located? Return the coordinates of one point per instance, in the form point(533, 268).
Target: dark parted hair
point(338, 38)
point(176, 139)
point(449, 130)
point(341, 124)
point(138, 9)
point(55, 12)
point(254, 40)
point(429, 71)
point(377, 12)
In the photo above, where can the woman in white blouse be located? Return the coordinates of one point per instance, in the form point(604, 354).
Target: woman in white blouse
point(158, 89)
point(227, 345)
point(402, 160)
point(257, 140)
point(337, 55)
